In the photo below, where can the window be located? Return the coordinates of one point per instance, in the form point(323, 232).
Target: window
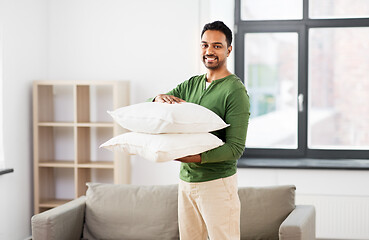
point(305, 64)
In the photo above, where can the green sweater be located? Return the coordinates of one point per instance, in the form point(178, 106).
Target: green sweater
point(227, 97)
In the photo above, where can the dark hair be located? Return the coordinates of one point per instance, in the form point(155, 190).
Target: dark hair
point(219, 26)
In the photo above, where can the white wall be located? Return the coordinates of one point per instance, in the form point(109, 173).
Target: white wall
point(150, 43)
point(153, 44)
point(24, 34)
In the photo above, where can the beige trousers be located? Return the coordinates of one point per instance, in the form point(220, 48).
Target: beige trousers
point(209, 208)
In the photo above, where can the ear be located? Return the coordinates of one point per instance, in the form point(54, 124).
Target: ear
point(229, 50)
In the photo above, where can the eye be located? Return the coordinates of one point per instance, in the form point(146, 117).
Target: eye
point(217, 47)
point(204, 45)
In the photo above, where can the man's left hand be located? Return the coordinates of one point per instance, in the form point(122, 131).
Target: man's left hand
point(190, 159)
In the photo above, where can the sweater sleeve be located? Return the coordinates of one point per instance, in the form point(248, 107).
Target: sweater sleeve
point(237, 113)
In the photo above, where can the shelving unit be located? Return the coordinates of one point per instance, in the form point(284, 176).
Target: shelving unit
point(69, 123)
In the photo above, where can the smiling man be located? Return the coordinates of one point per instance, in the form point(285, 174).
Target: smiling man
point(208, 203)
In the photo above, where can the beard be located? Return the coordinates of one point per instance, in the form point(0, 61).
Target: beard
point(214, 64)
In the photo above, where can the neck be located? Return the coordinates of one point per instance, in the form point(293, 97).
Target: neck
point(212, 75)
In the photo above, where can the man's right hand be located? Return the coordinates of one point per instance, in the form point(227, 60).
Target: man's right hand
point(163, 98)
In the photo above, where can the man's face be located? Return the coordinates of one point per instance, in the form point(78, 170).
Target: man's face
point(214, 50)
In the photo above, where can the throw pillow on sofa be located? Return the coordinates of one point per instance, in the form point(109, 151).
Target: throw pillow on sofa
point(263, 209)
point(131, 212)
point(153, 117)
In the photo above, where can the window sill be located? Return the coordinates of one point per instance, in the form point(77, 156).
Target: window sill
point(351, 164)
point(6, 170)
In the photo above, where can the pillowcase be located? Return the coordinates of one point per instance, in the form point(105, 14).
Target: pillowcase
point(153, 117)
point(163, 147)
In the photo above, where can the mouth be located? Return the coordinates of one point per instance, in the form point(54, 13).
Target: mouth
point(210, 59)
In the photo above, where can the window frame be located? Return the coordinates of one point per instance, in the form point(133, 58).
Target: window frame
point(301, 27)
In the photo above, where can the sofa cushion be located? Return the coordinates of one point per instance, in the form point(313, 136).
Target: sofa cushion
point(131, 212)
point(263, 209)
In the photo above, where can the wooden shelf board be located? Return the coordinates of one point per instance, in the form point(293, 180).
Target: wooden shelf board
point(60, 164)
point(97, 164)
point(95, 124)
point(53, 83)
point(97, 83)
point(80, 124)
point(53, 202)
point(78, 82)
point(56, 124)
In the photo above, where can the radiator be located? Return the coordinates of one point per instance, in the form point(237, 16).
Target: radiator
point(339, 217)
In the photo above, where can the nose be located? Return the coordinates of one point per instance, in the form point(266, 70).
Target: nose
point(210, 50)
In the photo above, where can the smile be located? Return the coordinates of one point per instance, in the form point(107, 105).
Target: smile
point(210, 58)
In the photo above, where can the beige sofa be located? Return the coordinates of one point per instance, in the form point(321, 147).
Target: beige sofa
point(131, 212)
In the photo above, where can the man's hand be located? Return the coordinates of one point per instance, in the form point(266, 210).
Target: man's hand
point(163, 98)
point(190, 159)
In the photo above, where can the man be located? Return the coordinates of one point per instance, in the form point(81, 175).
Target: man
point(208, 203)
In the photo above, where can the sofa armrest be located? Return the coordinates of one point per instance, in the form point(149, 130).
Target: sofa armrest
point(299, 225)
point(62, 222)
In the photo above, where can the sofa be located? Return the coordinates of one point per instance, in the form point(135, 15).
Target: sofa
point(130, 212)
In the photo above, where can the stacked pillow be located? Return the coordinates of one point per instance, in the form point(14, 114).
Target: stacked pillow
point(163, 132)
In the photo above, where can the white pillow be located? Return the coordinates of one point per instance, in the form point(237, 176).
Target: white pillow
point(163, 147)
point(153, 117)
